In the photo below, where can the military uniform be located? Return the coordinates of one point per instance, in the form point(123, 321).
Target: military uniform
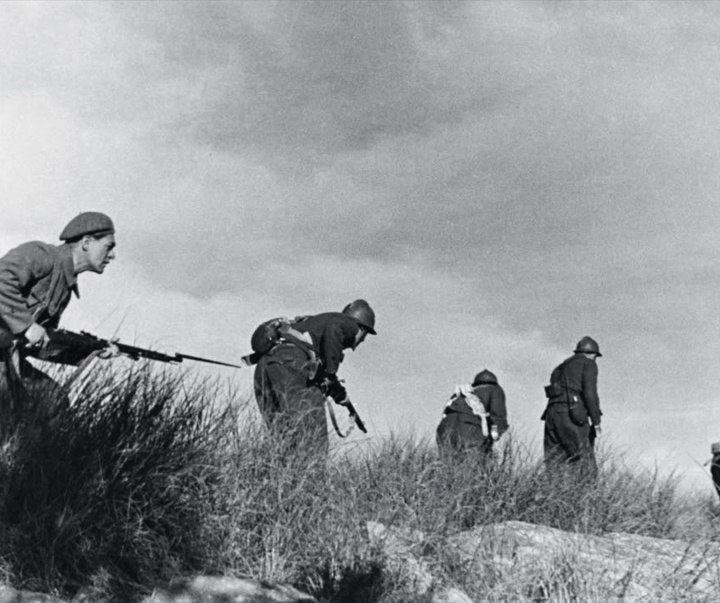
point(293, 378)
point(37, 281)
point(463, 428)
point(715, 466)
point(572, 400)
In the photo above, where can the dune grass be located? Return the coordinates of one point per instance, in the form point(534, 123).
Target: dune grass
point(148, 476)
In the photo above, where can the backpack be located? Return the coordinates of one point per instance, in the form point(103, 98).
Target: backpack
point(268, 334)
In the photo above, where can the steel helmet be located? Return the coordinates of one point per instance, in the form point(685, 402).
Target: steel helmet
point(484, 376)
point(587, 345)
point(361, 311)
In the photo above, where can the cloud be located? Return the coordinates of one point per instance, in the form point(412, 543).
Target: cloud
point(498, 178)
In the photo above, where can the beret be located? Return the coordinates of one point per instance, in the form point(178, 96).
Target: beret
point(88, 222)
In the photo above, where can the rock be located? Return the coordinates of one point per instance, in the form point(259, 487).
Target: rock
point(224, 589)
point(627, 566)
point(402, 548)
point(450, 595)
point(11, 595)
point(542, 563)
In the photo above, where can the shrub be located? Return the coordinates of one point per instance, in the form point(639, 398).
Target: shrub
point(146, 476)
point(117, 485)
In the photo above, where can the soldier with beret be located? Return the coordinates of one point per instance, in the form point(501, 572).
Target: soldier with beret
point(572, 416)
point(475, 417)
point(37, 281)
point(296, 375)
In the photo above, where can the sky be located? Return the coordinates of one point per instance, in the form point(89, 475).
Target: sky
point(497, 179)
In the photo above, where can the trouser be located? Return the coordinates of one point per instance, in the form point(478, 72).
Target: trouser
point(460, 432)
point(27, 394)
point(291, 403)
point(715, 472)
point(566, 442)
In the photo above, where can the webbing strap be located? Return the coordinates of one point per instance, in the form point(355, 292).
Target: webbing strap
point(333, 419)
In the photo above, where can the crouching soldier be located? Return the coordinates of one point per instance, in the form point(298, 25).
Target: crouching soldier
point(572, 416)
point(475, 417)
point(37, 281)
point(297, 374)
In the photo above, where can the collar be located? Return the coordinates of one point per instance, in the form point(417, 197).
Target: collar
point(68, 268)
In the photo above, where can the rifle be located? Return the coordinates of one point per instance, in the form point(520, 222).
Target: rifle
point(334, 390)
point(355, 416)
point(68, 347)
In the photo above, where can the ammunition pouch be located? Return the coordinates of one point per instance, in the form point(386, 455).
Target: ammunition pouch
point(553, 391)
point(577, 411)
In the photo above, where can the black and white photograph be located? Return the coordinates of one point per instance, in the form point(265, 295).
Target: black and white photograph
point(359, 301)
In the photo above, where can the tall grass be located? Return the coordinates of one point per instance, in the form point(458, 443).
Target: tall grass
point(115, 487)
point(147, 476)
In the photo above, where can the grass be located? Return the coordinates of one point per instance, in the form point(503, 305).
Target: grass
point(149, 475)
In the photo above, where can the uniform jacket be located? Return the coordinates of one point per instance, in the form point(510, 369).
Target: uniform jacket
point(577, 375)
point(36, 282)
point(331, 332)
point(492, 396)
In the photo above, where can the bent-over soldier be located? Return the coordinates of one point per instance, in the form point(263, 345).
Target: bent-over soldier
point(294, 378)
point(572, 416)
point(37, 281)
point(475, 417)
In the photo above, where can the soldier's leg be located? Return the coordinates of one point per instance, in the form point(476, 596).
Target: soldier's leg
point(6, 398)
point(446, 437)
point(573, 439)
point(308, 408)
point(295, 407)
point(46, 390)
point(552, 444)
point(447, 434)
point(265, 393)
point(715, 472)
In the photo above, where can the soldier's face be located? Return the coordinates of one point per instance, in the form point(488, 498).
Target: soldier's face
point(99, 252)
point(359, 337)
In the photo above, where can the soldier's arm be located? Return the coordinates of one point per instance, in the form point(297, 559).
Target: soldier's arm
point(589, 392)
point(19, 270)
point(332, 347)
point(498, 409)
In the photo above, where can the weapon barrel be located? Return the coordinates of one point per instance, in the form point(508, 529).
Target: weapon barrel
point(181, 357)
point(135, 353)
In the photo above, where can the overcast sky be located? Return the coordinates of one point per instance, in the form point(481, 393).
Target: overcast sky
point(497, 179)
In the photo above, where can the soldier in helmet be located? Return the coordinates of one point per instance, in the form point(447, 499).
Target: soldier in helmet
point(37, 281)
point(572, 416)
point(294, 378)
point(475, 417)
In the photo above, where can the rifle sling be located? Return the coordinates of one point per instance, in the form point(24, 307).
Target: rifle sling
point(333, 419)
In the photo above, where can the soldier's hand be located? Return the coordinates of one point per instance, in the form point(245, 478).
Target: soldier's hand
point(111, 351)
point(36, 335)
point(494, 433)
point(335, 390)
point(598, 431)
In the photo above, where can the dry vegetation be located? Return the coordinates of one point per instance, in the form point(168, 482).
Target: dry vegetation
point(148, 476)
